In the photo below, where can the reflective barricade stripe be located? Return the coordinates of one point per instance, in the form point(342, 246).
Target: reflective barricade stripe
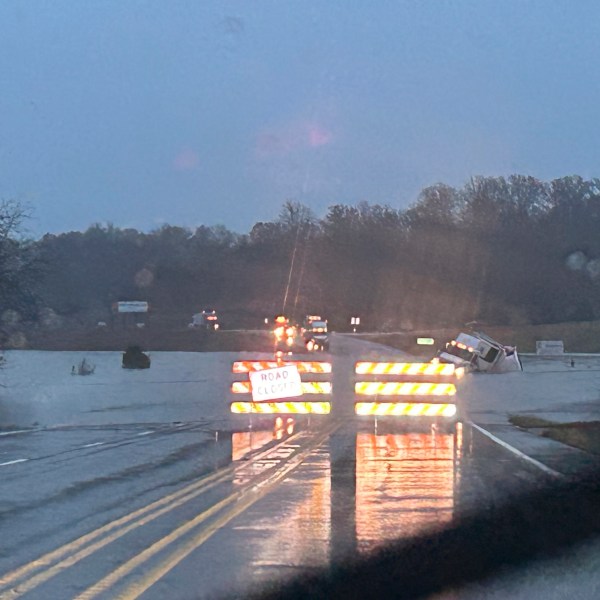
point(245, 366)
point(375, 388)
point(308, 387)
point(316, 387)
point(390, 368)
point(404, 409)
point(301, 408)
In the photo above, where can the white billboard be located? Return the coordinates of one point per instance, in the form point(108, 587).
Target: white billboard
point(132, 306)
point(549, 347)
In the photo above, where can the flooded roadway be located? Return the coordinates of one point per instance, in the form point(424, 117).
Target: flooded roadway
point(111, 496)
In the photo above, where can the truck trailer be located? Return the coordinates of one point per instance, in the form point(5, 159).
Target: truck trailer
point(478, 352)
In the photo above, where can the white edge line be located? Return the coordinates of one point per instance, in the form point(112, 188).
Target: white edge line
point(17, 431)
point(13, 462)
point(520, 454)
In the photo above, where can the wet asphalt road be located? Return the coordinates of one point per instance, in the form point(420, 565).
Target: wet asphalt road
point(350, 494)
point(197, 509)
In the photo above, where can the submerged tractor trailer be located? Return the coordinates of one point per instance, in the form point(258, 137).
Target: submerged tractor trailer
point(478, 352)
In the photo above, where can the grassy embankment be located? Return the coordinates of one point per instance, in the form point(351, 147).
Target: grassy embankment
point(582, 435)
point(577, 337)
point(153, 339)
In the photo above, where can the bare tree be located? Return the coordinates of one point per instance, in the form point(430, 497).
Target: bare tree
point(18, 259)
point(13, 214)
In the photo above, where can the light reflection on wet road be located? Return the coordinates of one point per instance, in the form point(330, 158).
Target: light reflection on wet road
point(347, 495)
point(164, 465)
point(357, 491)
point(351, 493)
point(404, 484)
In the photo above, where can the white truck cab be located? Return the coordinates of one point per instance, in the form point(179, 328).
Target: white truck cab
point(479, 352)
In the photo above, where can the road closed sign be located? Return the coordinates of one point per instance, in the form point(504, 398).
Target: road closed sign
point(272, 384)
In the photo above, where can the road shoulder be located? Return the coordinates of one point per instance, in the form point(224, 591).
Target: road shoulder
point(548, 455)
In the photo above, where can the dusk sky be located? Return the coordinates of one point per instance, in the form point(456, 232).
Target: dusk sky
point(141, 112)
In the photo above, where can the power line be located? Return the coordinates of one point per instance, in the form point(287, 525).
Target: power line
point(287, 287)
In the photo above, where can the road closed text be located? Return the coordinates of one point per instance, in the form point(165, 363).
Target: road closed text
point(271, 384)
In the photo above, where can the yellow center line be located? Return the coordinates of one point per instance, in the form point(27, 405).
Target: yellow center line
point(88, 546)
point(48, 564)
point(257, 492)
point(116, 575)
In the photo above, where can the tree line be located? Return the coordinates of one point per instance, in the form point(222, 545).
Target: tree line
point(498, 250)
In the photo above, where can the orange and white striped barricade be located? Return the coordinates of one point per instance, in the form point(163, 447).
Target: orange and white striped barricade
point(408, 390)
point(315, 387)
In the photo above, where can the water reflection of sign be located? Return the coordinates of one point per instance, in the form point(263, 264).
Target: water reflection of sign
point(244, 442)
point(271, 384)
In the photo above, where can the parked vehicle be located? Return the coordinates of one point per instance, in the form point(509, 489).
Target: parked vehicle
point(316, 336)
point(207, 319)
